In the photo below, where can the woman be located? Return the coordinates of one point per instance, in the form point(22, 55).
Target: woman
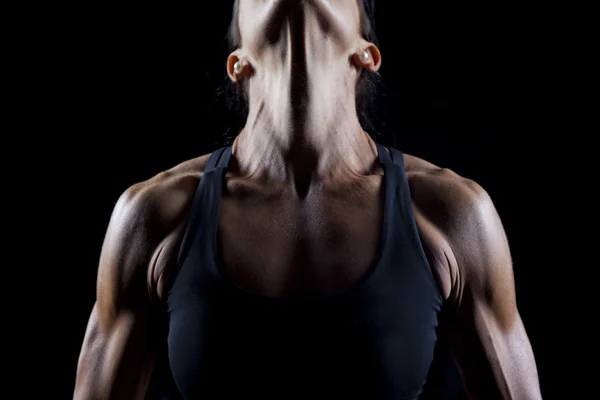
point(306, 260)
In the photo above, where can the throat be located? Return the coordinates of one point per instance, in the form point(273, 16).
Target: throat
point(303, 131)
point(302, 125)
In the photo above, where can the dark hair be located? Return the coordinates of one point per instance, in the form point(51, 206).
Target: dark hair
point(368, 90)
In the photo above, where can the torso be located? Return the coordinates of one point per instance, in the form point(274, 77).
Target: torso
point(276, 246)
point(273, 247)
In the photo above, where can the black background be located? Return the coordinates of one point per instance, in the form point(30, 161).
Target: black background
point(130, 90)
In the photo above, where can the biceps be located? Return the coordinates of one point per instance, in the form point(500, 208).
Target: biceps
point(496, 362)
point(115, 363)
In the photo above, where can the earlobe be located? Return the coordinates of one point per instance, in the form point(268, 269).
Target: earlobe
point(368, 57)
point(237, 67)
point(376, 57)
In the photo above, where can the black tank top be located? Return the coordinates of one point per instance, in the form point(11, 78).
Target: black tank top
point(374, 340)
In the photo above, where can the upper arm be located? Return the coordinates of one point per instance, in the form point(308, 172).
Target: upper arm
point(490, 341)
point(119, 345)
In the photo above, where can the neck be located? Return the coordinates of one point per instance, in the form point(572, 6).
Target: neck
point(302, 128)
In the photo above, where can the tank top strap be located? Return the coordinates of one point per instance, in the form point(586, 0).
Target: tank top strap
point(384, 157)
point(394, 156)
point(218, 159)
point(404, 207)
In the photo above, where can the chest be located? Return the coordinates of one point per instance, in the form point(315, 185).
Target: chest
point(378, 338)
point(271, 243)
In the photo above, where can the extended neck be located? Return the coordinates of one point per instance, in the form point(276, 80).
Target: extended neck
point(319, 140)
point(302, 126)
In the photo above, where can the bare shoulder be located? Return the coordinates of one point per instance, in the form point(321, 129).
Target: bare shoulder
point(443, 194)
point(161, 201)
point(165, 194)
point(460, 216)
point(144, 229)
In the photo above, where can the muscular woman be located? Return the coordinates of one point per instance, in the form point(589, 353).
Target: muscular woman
point(305, 261)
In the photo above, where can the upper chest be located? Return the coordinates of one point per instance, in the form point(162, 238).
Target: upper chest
point(271, 243)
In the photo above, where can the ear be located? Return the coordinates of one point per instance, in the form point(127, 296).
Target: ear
point(237, 74)
point(372, 62)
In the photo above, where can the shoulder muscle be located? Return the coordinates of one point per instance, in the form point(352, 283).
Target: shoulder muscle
point(489, 339)
point(466, 218)
point(145, 215)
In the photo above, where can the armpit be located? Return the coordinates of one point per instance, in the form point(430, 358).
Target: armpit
point(438, 252)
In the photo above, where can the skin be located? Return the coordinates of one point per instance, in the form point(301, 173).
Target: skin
point(300, 167)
